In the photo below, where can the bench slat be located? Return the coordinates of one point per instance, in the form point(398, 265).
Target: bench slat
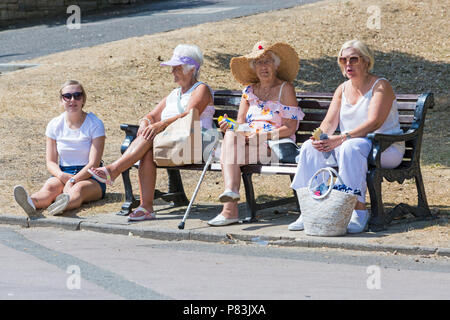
point(313, 104)
point(406, 119)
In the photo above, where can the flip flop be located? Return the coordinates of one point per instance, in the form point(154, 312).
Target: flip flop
point(108, 179)
point(146, 216)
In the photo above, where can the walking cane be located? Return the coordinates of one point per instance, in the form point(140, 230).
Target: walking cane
point(181, 225)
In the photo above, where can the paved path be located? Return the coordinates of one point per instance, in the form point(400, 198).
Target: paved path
point(47, 263)
point(159, 16)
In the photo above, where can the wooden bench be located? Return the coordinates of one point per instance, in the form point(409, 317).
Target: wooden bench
point(412, 109)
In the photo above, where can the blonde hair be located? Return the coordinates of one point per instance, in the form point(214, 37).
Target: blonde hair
point(367, 54)
point(74, 83)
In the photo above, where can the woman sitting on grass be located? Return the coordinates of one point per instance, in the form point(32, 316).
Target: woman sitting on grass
point(75, 142)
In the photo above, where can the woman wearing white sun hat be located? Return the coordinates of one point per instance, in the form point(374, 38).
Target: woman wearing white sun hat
point(191, 93)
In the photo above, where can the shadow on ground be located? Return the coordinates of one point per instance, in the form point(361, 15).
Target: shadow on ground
point(405, 73)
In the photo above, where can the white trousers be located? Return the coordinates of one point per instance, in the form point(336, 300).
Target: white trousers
point(351, 157)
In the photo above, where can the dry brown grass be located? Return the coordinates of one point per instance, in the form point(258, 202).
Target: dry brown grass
point(124, 81)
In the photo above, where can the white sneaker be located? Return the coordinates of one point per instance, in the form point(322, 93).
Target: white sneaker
point(228, 196)
point(220, 220)
point(297, 225)
point(358, 221)
point(57, 207)
point(24, 201)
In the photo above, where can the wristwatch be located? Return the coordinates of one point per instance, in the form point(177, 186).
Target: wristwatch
point(347, 135)
point(72, 180)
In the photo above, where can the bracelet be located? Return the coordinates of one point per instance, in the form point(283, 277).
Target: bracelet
point(148, 120)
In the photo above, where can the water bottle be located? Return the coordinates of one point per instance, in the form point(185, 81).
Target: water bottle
point(233, 125)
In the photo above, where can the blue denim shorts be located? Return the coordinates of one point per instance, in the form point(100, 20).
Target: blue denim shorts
point(75, 169)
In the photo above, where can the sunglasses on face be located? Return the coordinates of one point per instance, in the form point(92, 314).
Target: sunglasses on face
point(351, 60)
point(75, 95)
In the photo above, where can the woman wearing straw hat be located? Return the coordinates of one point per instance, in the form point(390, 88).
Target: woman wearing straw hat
point(191, 93)
point(361, 105)
point(268, 108)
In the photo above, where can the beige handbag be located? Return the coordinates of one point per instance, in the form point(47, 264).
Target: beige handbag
point(329, 214)
point(180, 143)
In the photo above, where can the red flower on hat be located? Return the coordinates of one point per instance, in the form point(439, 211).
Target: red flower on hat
point(260, 47)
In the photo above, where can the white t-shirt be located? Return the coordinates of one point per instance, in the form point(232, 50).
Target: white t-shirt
point(74, 145)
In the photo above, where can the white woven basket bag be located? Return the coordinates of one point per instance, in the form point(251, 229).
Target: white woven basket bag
point(328, 214)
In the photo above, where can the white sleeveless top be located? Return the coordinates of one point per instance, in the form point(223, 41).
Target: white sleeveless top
point(172, 109)
point(352, 116)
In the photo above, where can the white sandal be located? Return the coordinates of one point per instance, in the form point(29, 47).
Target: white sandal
point(108, 179)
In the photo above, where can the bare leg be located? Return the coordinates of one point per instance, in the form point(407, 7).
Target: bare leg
point(147, 180)
point(137, 149)
point(235, 153)
point(231, 160)
point(47, 194)
point(82, 192)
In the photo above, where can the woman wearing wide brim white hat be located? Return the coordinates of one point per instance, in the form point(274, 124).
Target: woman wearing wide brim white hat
point(268, 109)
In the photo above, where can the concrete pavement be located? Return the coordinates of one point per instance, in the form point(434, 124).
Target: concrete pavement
point(270, 229)
point(52, 35)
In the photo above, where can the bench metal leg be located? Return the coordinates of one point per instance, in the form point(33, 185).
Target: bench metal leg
point(297, 203)
point(421, 197)
point(377, 218)
point(130, 201)
point(176, 187)
point(250, 197)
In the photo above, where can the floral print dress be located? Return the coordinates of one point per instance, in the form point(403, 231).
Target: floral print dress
point(265, 116)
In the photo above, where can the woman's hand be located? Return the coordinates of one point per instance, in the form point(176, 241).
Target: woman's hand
point(327, 145)
point(142, 126)
point(68, 186)
point(150, 132)
point(223, 125)
point(64, 177)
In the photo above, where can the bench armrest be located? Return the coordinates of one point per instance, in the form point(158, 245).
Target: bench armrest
point(130, 135)
point(381, 142)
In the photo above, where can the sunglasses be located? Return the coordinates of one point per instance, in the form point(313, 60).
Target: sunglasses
point(75, 95)
point(261, 62)
point(351, 60)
